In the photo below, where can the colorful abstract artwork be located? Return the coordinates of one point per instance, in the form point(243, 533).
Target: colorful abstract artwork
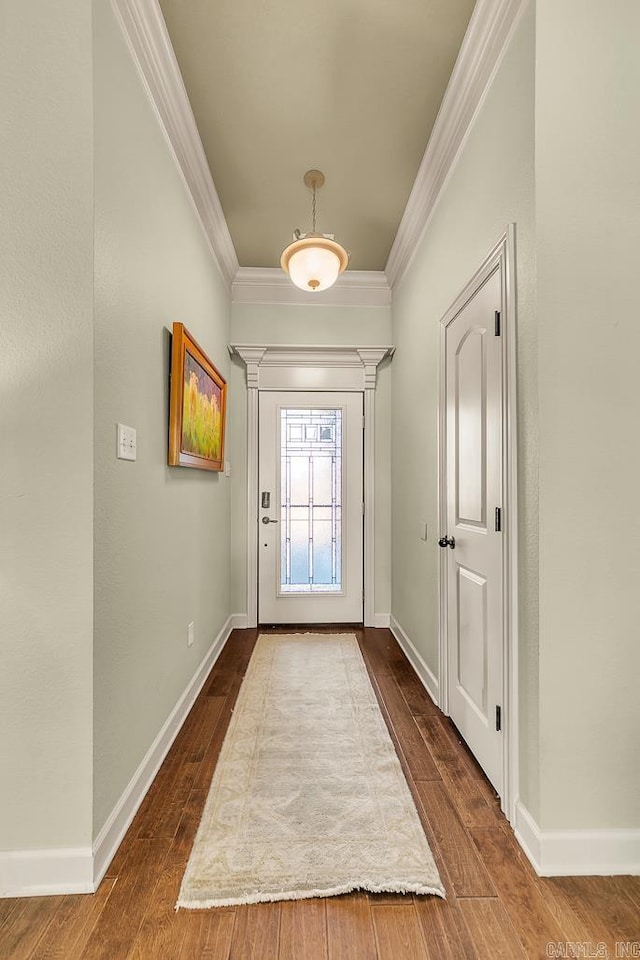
point(202, 416)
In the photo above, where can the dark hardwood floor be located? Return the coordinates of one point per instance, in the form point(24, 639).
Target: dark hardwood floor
point(496, 907)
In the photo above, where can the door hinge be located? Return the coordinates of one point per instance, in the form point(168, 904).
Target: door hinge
point(363, 593)
point(498, 718)
point(497, 323)
point(363, 508)
point(498, 521)
point(364, 422)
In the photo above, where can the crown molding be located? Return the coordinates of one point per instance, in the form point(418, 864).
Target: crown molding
point(146, 34)
point(488, 34)
point(357, 288)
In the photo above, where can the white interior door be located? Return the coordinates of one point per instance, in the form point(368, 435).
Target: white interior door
point(310, 520)
point(474, 581)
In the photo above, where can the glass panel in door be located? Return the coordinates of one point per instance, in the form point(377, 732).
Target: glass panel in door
point(310, 501)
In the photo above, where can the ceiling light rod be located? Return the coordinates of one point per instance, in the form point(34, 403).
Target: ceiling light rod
point(314, 179)
point(314, 260)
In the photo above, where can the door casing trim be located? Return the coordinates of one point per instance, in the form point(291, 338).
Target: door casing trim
point(324, 368)
point(502, 258)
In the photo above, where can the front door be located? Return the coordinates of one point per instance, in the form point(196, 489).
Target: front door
point(474, 551)
point(310, 520)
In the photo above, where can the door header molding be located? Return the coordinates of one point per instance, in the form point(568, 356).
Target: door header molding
point(287, 366)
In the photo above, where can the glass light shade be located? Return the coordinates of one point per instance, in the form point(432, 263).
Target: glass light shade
point(314, 262)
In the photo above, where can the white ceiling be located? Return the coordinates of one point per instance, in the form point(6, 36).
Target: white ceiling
point(351, 87)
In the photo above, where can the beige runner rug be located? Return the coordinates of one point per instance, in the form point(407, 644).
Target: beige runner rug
point(308, 798)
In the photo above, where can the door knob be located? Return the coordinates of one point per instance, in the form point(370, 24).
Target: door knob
point(267, 520)
point(447, 542)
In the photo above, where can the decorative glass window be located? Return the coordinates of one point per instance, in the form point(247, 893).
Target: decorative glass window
point(311, 501)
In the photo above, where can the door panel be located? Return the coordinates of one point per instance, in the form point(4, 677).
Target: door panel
point(310, 535)
point(470, 431)
point(473, 369)
point(472, 638)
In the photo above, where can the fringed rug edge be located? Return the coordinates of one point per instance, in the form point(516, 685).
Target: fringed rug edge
point(266, 896)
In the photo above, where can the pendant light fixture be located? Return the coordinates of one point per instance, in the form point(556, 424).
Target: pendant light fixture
point(314, 261)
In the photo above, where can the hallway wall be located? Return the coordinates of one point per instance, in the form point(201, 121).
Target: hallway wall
point(46, 425)
point(161, 533)
point(588, 226)
point(313, 324)
point(491, 185)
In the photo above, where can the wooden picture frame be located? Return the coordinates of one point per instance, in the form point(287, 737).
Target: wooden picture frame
point(197, 409)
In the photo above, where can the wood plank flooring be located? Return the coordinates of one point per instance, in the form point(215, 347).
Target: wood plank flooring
point(496, 907)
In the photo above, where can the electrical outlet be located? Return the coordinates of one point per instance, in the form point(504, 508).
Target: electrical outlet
point(190, 635)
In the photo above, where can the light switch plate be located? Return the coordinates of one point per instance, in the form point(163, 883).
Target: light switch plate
point(127, 443)
point(423, 530)
point(227, 468)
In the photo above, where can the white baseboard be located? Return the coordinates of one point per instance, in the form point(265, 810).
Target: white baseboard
point(427, 678)
point(112, 833)
point(586, 853)
point(381, 620)
point(239, 621)
point(41, 873)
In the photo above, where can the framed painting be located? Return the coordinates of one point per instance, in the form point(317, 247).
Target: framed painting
point(197, 406)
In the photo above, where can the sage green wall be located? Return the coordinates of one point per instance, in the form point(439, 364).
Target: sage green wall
point(588, 226)
point(46, 424)
point(491, 185)
point(161, 534)
point(314, 324)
